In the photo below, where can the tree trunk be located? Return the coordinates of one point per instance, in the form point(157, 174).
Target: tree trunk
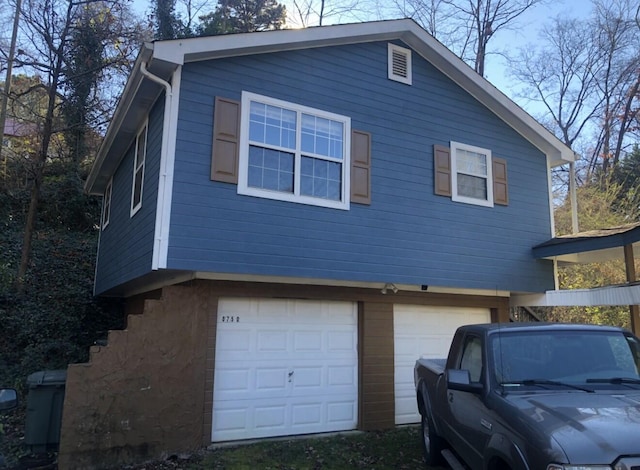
point(29, 228)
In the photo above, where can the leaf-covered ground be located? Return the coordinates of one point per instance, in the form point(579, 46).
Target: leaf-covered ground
point(397, 449)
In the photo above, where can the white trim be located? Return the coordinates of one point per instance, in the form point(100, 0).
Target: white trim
point(167, 166)
point(455, 146)
point(142, 167)
point(106, 202)
point(244, 188)
point(406, 53)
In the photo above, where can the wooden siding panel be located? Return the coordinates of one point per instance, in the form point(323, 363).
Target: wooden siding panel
point(407, 233)
point(126, 245)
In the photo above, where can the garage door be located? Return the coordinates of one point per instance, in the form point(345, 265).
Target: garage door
point(421, 331)
point(284, 367)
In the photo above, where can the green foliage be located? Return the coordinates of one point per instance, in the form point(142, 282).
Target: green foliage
point(601, 204)
point(167, 23)
point(243, 16)
point(55, 320)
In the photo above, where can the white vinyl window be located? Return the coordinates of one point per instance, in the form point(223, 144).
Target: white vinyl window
point(293, 153)
point(471, 176)
point(106, 205)
point(138, 170)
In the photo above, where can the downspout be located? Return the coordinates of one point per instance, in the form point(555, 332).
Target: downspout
point(572, 195)
point(162, 183)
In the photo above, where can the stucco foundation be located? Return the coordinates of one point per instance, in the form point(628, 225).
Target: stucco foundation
point(141, 396)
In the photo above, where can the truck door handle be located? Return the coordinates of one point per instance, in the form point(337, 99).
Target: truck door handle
point(450, 397)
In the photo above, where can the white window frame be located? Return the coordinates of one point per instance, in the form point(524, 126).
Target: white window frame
point(139, 167)
point(106, 204)
point(295, 196)
point(391, 49)
point(455, 146)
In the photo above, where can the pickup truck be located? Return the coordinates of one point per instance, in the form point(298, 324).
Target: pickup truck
point(533, 396)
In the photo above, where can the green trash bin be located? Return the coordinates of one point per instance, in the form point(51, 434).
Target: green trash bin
point(44, 410)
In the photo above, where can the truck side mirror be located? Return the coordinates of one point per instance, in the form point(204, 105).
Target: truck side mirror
point(460, 379)
point(8, 399)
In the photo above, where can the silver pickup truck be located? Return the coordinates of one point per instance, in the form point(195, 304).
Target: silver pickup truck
point(533, 396)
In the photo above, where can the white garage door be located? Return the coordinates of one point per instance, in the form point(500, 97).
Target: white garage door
point(421, 331)
point(284, 367)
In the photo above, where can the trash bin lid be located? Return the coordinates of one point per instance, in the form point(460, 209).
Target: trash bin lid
point(47, 377)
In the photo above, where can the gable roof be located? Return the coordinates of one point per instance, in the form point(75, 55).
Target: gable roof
point(162, 58)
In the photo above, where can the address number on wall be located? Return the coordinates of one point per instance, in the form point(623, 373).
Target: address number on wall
point(229, 319)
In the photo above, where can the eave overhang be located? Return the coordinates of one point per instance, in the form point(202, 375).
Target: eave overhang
point(163, 57)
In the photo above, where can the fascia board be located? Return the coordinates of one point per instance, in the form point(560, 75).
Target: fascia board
point(233, 45)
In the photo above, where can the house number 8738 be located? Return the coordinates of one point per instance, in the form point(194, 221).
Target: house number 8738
point(230, 319)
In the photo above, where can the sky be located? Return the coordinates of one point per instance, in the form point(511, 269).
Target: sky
point(523, 34)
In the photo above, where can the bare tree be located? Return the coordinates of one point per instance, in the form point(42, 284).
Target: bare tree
point(316, 12)
point(466, 26)
point(442, 21)
point(586, 77)
point(48, 31)
point(560, 75)
point(619, 79)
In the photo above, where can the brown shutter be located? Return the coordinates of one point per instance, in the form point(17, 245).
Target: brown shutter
point(360, 167)
point(500, 188)
point(442, 170)
point(226, 140)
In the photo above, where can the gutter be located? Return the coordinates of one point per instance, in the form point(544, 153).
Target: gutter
point(167, 161)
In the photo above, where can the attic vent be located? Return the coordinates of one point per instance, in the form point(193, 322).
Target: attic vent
point(399, 64)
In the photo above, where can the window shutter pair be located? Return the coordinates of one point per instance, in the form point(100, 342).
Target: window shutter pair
point(226, 147)
point(442, 175)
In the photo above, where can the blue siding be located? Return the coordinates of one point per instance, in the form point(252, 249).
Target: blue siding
point(407, 234)
point(126, 244)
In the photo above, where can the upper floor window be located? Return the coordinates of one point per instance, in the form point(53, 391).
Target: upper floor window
point(106, 205)
point(471, 176)
point(138, 170)
point(293, 153)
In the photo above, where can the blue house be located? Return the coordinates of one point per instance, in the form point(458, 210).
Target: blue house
point(292, 218)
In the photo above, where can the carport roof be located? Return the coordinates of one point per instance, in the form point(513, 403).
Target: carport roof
point(590, 246)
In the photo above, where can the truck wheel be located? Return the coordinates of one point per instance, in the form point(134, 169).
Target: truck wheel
point(432, 444)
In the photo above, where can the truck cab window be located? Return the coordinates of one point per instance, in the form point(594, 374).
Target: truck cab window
point(472, 358)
